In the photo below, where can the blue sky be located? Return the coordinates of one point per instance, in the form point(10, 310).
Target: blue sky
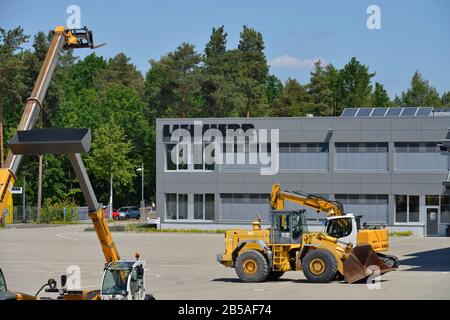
point(414, 35)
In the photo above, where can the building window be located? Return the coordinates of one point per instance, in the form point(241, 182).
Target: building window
point(204, 206)
point(432, 200)
point(407, 208)
point(303, 156)
point(401, 208)
point(176, 206)
point(370, 156)
point(413, 207)
point(372, 207)
point(182, 206)
point(445, 209)
point(171, 206)
point(195, 160)
point(420, 156)
point(242, 158)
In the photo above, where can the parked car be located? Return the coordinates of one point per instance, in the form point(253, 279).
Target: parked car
point(126, 213)
point(115, 214)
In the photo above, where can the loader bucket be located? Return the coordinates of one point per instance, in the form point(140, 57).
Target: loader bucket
point(356, 267)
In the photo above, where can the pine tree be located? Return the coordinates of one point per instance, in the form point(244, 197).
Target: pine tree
point(355, 84)
point(273, 88)
point(320, 95)
point(380, 98)
point(446, 99)
point(290, 101)
point(119, 70)
point(216, 47)
point(420, 93)
point(254, 71)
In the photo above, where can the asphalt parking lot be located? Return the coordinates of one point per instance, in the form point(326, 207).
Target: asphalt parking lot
point(183, 266)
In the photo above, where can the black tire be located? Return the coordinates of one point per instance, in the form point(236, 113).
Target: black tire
point(389, 260)
point(252, 266)
point(127, 217)
point(320, 266)
point(339, 277)
point(274, 275)
point(138, 217)
point(149, 297)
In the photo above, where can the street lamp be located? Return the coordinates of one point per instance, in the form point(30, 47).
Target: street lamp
point(141, 170)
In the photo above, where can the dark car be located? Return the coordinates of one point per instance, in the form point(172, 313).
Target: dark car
point(126, 213)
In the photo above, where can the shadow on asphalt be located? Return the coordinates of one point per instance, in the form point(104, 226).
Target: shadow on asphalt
point(238, 280)
point(432, 260)
point(305, 281)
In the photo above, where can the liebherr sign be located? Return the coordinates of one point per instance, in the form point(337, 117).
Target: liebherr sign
point(224, 144)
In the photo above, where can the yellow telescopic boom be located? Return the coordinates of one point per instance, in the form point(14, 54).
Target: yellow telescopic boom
point(62, 39)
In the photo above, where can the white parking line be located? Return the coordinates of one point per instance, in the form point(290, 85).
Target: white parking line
point(64, 236)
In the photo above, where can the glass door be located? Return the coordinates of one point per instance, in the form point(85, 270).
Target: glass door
point(432, 221)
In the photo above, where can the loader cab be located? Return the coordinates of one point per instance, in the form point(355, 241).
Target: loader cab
point(344, 228)
point(288, 226)
point(123, 280)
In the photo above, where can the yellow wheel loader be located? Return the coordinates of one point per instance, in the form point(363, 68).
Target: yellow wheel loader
point(342, 251)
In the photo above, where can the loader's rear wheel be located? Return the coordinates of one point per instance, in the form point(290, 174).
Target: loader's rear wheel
point(319, 265)
point(251, 266)
point(274, 275)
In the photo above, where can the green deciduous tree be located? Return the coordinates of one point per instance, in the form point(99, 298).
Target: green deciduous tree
point(12, 80)
point(111, 156)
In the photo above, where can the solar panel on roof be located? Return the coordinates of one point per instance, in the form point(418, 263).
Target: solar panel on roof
point(409, 112)
point(394, 112)
point(378, 112)
point(387, 112)
point(424, 112)
point(349, 112)
point(364, 112)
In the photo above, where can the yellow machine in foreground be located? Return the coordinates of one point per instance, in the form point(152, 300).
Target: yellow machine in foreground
point(63, 39)
point(341, 252)
point(122, 279)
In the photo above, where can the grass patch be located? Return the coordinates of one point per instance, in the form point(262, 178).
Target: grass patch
point(401, 234)
point(143, 228)
point(65, 222)
point(59, 222)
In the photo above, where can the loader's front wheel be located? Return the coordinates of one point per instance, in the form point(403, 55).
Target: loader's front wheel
point(251, 266)
point(319, 265)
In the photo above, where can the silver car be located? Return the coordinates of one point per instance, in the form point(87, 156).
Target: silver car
point(126, 213)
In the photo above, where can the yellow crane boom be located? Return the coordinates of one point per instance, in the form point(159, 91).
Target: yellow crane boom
point(62, 39)
point(62, 141)
point(278, 196)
